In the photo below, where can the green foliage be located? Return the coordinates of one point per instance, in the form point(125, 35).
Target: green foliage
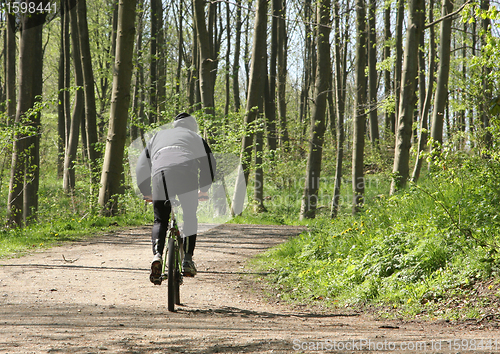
point(410, 250)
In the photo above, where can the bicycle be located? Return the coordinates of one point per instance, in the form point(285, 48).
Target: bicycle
point(173, 258)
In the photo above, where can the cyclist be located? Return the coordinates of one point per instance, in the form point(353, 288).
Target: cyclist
point(170, 164)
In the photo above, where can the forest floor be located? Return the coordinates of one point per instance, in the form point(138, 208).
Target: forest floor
point(94, 296)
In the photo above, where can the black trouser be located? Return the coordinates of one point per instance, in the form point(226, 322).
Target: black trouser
point(185, 187)
point(162, 216)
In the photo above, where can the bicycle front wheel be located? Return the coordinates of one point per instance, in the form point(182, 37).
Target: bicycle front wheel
point(173, 281)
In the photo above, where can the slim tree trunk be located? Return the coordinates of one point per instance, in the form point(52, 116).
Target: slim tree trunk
point(236, 60)
point(372, 67)
point(441, 95)
point(179, 54)
point(339, 91)
point(206, 61)
point(323, 84)
point(88, 85)
point(407, 100)
point(78, 108)
point(271, 103)
point(10, 72)
point(137, 100)
point(424, 113)
point(160, 70)
point(359, 124)
point(153, 76)
point(487, 86)
point(112, 170)
point(282, 70)
point(228, 55)
point(399, 59)
point(255, 89)
point(389, 116)
point(22, 202)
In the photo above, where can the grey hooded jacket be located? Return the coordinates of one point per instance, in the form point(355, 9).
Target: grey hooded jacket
point(180, 149)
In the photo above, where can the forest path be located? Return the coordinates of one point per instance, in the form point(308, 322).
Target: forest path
point(95, 296)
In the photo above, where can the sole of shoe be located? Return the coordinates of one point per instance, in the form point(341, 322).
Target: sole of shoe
point(155, 276)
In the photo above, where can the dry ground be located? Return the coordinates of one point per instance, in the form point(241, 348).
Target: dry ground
point(95, 297)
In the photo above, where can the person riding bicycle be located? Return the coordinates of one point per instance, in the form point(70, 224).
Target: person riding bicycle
point(169, 164)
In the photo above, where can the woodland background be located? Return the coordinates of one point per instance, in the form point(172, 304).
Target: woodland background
point(336, 108)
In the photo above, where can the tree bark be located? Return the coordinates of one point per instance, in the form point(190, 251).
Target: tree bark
point(389, 115)
point(10, 72)
point(372, 67)
point(424, 113)
point(88, 85)
point(78, 108)
point(22, 202)
point(310, 198)
point(407, 99)
point(282, 74)
point(153, 76)
point(398, 59)
point(236, 60)
point(206, 61)
point(339, 91)
point(359, 124)
point(112, 170)
point(254, 102)
point(441, 95)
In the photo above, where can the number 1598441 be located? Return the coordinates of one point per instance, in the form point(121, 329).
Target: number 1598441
point(29, 7)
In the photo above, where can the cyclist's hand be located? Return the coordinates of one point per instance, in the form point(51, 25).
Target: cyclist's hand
point(148, 199)
point(202, 196)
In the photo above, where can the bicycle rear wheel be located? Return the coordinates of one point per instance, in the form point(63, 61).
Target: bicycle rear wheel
point(173, 279)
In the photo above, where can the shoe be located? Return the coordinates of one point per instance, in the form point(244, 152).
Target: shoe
point(155, 276)
point(188, 268)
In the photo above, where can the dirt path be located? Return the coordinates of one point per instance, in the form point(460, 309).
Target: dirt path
point(98, 299)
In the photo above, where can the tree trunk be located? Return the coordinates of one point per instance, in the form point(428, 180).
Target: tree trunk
point(310, 198)
point(339, 91)
point(372, 67)
point(389, 115)
point(62, 88)
point(441, 95)
point(424, 113)
point(236, 60)
point(88, 84)
point(228, 55)
point(78, 108)
point(254, 102)
point(487, 86)
point(112, 170)
point(10, 72)
point(206, 62)
point(282, 70)
point(271, 102)
point(179, 55)
point(407, 100)
point(153, 76)
point(137, 98)
point(399, 59)
point(160, 69)
point(359, 124)
point(24, 180)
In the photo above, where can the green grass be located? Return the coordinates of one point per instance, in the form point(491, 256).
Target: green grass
point(410, 252)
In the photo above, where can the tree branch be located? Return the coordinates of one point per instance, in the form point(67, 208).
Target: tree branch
point(447, 16)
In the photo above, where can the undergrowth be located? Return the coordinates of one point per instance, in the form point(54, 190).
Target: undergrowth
point(411, 252)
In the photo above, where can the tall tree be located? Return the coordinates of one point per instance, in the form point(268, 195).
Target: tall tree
point(322, 86)
point(236, 60)
point(206, 64)
point(359, 123)
point(424, 112)
point(372, 67)
point(389, 115)
point(153, 65)
point(254, 102)
point(407, 98)
point(78, 107)
point(339, 81)
point(441, 94)
point(88, 88)
point(282, 74)
point(10, 70)
point(24, 180)
point(112, 169)
point(399, 58)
